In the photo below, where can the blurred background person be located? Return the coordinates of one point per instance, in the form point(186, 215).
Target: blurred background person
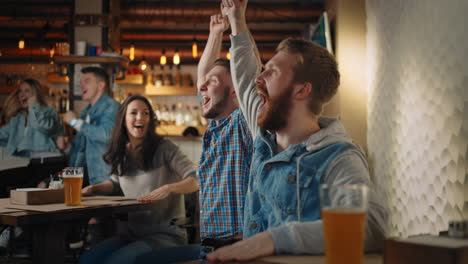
point(30, 131)
point(147, 167)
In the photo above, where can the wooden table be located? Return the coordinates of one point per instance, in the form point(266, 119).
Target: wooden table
point(368, 259)
point(49, 229)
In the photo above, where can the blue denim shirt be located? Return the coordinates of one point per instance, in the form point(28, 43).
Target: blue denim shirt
point(92, 138)
point(43, 127)
point(276, 194)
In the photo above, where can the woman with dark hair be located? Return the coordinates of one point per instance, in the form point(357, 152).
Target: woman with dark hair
point(30, 132)
point(149, 168)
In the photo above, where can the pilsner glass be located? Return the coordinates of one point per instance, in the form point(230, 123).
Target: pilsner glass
point(73, 182)
point(344, 209)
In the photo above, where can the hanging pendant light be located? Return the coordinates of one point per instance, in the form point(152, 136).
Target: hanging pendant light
point(132, 52)
point(176, 58)
point(143, 64)
point(163, 59)
point(52, 51)
point(21, 42)
point(194, 48)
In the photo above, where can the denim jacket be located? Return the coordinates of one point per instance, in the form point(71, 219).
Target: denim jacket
point(282, 198)
point(43, 127)
point(92, 138)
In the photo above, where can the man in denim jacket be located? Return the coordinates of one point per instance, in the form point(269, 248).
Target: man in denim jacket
point(296, 150)
point(94, 126)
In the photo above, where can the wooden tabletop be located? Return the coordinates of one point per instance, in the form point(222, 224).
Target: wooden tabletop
point(368, 259)
point(33, 217)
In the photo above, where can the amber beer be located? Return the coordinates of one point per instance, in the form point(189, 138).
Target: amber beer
point(73, 182)
point(344, 236)
point(344, 218)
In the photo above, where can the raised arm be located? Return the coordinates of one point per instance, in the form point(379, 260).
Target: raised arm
point(245, 61)
point(218, 24)
point(100, 132)
point(44, 119)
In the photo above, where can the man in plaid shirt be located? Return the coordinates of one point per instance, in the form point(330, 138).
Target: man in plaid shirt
point(225, 161)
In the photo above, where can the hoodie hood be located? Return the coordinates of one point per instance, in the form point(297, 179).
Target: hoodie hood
point(331, 131)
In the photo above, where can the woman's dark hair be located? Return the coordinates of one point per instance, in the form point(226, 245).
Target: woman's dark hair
point(117, 155)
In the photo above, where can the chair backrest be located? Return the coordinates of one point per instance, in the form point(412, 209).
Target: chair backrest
point(191, 221)
point(192, 212)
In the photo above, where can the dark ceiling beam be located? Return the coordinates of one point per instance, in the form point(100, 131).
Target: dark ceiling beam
point(201, 11)
point(189, 37)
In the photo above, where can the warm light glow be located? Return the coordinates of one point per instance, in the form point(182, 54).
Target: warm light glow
point(21, 43)
point(132, 52)
point(194, 50)
point(163, 59)
point(228, 55)
point(52, 51)
point(143, 64)
point(176, 58)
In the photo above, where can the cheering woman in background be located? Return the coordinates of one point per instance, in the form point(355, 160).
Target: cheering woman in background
point(30, 132)
point(147, 167)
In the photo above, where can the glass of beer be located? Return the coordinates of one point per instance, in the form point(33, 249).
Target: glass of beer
point(73, 182)
point(344, 210)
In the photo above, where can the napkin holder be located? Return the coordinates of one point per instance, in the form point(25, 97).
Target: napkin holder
point(426, 249)
point(34, 196)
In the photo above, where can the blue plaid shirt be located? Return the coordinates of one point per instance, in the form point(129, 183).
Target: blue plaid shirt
point(223, 171)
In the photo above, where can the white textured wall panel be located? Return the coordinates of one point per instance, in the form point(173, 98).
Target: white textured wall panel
point(417, 54)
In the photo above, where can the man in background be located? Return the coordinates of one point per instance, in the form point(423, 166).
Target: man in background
point(94, 126)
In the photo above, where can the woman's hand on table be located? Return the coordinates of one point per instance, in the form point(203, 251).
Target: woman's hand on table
point(88, 190)
point(157, 194)
point(260, 245)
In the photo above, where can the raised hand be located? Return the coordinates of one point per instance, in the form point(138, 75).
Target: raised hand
point(218, 24)
point(69, 116)
point(235, 10)
point(32, 100)
point(157, 194)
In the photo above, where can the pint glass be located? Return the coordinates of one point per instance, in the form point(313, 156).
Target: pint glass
point(344, 210)
point(73, 182)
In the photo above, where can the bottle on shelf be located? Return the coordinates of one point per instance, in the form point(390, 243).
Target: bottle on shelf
point(64, 104)
point(165, 115)
point(158, 80)
point(179, 115)
point(157, 112)
point(178, 78)
point(188, 81)
point(188, 117)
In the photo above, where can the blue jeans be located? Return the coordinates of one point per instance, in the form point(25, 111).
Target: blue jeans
point(174, 254)
point(115, 251)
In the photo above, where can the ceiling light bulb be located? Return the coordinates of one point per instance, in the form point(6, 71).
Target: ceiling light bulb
point(143, 64)
point(52, 51)
point(21, 42)
point(228, 55)
point(163, 59)
point(176, 58)
point(194, 49)
point(132, 52)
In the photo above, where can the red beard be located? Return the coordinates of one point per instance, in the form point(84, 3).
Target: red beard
point(274, 116)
